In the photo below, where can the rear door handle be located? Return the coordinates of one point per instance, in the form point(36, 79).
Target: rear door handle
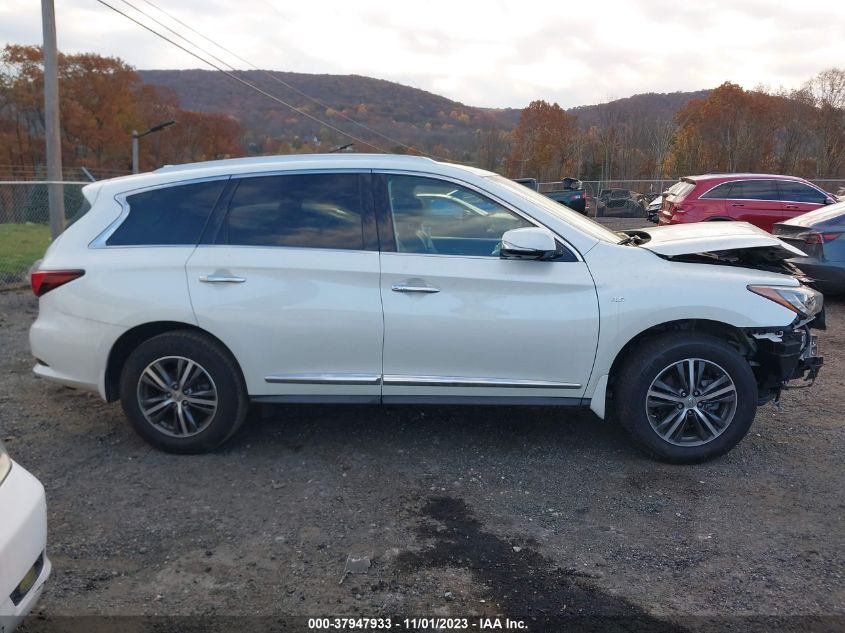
point(221, 279)
point(792, 206)
point(737, 205)
point(414, 288)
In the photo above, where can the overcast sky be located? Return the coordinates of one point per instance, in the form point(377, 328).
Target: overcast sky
point(498, 53)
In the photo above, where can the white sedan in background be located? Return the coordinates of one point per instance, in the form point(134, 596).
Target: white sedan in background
point(24, 566)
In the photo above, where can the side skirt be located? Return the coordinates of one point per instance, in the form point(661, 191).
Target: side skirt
point(453, 400)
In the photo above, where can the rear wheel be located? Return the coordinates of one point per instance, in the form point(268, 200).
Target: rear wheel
point(183, 392)
point(686, 398)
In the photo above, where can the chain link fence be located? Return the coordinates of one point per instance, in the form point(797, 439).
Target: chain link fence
point(25, 225)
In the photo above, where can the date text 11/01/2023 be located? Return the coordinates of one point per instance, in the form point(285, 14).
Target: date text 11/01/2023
point(417, 624)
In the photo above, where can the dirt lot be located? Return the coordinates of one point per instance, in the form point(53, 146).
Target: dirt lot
point(524, 512)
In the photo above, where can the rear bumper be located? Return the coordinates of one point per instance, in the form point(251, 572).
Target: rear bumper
point(23, 541)
point(72, 351)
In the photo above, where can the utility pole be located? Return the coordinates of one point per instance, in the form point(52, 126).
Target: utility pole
point(136, 136)
point(52, 129)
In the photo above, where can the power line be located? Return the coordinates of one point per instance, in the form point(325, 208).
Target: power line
point(242, 81)
point(261, 70)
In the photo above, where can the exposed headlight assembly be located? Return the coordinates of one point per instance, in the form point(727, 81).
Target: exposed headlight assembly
point(5, 462)
point(802, 300)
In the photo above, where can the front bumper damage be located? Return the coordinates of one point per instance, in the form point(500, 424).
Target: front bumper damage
point(781, 356)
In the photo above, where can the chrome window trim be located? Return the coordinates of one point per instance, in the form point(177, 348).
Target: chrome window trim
point(401, 380)
point(121, 198)
point(292, 248)
point(324, 379)
point(484, 193)
point(806, 184)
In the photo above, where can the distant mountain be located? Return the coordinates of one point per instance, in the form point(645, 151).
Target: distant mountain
point(410, 115)
point(648, 106)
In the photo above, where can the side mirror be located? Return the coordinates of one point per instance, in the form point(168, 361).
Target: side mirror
point(529, 243)
point(830, 200)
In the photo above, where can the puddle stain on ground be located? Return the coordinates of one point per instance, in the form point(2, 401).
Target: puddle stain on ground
point(522, 583)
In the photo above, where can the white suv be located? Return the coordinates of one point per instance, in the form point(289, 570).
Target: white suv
point(190, 291)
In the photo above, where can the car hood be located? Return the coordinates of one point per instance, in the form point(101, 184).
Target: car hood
point(717, 238)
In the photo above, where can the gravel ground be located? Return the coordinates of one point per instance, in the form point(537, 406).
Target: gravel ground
point(525, 512)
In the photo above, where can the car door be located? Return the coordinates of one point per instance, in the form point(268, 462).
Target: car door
point(461, 324)
point(756, 201)
point(288, 279)
point(799, 198)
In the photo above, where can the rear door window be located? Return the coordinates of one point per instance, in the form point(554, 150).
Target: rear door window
point(792, 191)
point(168, 216)
point(300, 210)
point(720, 192)
point(754, 190)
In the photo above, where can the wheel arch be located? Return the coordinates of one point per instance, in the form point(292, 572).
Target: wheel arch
point(132, 338)
point(725, 331)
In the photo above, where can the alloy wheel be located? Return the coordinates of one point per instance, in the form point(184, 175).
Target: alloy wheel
point(691, 402)
point(177, 396)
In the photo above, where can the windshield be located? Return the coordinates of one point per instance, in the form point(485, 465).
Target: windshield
point(580, 222)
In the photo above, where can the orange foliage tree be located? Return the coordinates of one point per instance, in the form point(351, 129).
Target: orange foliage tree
point(542, 142)
point(102, 99)
point(735, 130)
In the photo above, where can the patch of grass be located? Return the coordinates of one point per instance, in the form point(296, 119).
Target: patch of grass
point(20, 246)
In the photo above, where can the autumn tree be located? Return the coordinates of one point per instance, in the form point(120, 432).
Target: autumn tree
point(826, 91)
point(542, 142)
point(102, 100)
point(731, 130)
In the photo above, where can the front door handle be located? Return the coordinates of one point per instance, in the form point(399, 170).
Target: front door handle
point(737, 205)
point(792, 206)
point(221, 279)
point(414, 288)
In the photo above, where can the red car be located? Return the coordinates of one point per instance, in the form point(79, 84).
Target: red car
point(760, 199)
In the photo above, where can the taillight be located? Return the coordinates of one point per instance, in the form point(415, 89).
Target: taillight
point(43, 281)
point(815, 239)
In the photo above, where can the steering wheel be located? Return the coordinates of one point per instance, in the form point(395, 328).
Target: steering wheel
point(424, 235)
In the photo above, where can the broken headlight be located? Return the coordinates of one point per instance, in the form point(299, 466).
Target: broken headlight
point(802, 300)
point(5, 462)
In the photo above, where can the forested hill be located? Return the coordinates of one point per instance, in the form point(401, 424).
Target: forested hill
point(410, 115)
point(648, 106)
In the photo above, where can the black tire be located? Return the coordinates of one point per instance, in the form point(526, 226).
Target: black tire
point(221, 375)
point(646, 363)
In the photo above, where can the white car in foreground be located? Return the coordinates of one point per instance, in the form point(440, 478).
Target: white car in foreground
point(24, 566)
point(190, 291)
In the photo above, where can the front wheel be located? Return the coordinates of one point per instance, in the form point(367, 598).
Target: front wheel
point(183, 392)
point(686, 398)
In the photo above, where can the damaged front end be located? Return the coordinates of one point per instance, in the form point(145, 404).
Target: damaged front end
point(780, 356)
point(777, 355)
